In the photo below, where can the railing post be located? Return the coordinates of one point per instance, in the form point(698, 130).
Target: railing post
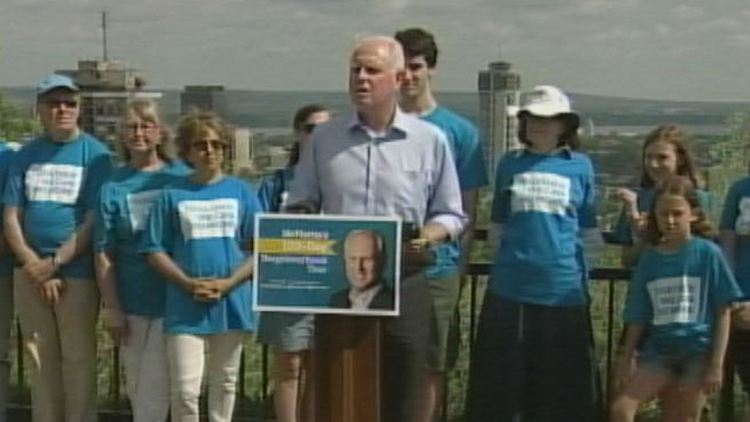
point(472, 313)
point(726, 395)
point(242, 382)
point(264, 381)
point(610, 337)
point(114, 388)
point(20, 369)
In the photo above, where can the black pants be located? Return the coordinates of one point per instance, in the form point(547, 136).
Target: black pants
point(739, 347)
point(533, 363)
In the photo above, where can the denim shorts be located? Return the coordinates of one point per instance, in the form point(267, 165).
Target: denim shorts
point(685, 369)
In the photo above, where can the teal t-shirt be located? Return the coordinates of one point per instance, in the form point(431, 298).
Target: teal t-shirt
point(124, 206)
point(56, 184)
point(543, 202)
point(677, 296)
point(735, 216)
point(7, 260)
point(623, 231)
point(463, 140)
point(203, 227)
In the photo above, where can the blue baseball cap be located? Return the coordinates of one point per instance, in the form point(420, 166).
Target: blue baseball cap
point(55, 81)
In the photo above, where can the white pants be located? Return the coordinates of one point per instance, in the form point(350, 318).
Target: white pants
point(144, 358)
point(60, 341)
point(6, 322)
point(187, 359)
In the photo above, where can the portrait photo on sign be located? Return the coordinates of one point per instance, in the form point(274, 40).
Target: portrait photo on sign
point(327, 264)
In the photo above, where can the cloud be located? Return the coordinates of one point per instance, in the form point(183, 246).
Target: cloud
point(622, 47)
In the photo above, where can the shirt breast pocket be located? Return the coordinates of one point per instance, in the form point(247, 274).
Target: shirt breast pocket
point(416, 182)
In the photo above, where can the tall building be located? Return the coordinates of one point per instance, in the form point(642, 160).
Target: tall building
point(106, 89)
point(205, 97)
point(242, 153)
point(499, 92)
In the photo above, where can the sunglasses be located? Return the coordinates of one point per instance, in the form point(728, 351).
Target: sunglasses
point(203, 146)
point(309, 127)
point(55, 103)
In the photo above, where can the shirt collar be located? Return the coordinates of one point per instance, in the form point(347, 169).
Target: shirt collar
point(362, 300)
point(563, 151)
point(399, 125)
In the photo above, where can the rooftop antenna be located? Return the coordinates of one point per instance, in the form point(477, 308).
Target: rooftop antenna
point(104, 36)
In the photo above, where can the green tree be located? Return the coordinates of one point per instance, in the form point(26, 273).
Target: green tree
point(15, 125)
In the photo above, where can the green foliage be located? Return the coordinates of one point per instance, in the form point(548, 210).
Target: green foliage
point(15, 125)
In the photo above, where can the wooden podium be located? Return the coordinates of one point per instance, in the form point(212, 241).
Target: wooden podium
point(348, 368)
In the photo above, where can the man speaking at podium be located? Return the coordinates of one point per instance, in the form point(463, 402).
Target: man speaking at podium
point(379, 161)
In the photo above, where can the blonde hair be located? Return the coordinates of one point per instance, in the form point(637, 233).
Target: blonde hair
point(148, 111)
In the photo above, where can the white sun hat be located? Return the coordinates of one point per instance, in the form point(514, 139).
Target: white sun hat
point(547, 101)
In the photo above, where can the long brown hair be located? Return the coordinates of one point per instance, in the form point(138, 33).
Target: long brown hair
point(673, 135)
point(684, 187)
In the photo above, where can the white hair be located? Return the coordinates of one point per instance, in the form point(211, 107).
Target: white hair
point(372, 234)
point(395, 51)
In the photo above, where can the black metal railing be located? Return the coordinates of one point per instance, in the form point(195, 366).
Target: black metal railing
point(254, 403)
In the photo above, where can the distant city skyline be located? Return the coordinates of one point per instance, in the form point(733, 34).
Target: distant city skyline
point(666, 49)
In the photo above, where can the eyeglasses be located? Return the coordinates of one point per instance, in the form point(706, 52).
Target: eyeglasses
point(57, 103)
point(144, 126)
point(203, 146)
point(309, 127)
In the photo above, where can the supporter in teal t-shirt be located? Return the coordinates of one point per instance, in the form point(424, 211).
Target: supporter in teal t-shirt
point(56, 184)
point(50, 199)
point(6, 291)
point(132, 292)
point(665, 153)
point(198, 238)
point(443, 275)
point(680, 329)
point(124, 207)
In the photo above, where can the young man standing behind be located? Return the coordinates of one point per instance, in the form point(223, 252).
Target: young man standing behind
point(420, 51)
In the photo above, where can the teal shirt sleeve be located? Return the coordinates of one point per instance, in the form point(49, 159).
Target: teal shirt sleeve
point(501, 198)
point(587, 211)
point(622, 233)
point(725, 287)
point(250, 208)
point(104, 227)
point(638, 308)
point(97, 172)
point(472, 172)
point(730, 211)
point(159, 235)
point(13, 193)
point(266, 194)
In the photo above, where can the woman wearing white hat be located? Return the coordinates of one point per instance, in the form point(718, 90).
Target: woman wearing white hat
point(533, 356)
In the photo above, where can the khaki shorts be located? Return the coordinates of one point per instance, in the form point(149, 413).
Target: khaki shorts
point(444, 293)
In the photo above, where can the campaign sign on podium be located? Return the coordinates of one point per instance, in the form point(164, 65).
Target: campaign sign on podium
point(327, 264)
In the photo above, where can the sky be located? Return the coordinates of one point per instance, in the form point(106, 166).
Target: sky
point(662, 49)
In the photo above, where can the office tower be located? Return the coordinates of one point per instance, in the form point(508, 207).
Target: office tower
point(106, 89)
point(499, 92)
point(205, 97)
point(241, 153)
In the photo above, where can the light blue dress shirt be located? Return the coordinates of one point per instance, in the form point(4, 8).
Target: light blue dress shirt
point(407, 171)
